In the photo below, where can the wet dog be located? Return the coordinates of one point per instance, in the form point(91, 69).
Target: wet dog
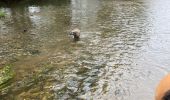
point(163, 89)
point(76, 34)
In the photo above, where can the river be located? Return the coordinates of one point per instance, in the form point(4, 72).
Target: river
point(123, 52)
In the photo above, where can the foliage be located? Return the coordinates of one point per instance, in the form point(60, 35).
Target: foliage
point(6, 74)
point(2, 14)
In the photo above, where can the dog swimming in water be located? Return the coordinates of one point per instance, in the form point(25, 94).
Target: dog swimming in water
point(76, 34)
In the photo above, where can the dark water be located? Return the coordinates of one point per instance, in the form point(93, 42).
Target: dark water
point(123, 52)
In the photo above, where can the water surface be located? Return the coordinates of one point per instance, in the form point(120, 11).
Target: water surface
point(122, 54)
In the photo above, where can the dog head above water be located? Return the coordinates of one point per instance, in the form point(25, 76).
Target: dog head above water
point(76, 34)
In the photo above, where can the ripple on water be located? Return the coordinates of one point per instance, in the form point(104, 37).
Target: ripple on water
point(117, 57)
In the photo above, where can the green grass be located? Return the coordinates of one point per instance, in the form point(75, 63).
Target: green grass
point(2, 14)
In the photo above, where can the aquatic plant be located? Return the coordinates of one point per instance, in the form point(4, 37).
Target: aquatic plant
point(31, 82)
point(6, 74)
point(2, 14)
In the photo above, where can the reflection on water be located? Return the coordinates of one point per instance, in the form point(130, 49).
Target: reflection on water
point(161, 17)
point(124, 49)
point(84, 14)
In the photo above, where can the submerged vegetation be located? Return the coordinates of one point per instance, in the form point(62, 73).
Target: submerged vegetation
point(36, 80)
point(6, 74)
point(2, 14)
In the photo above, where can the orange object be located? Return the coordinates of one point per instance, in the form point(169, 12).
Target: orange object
point(163, 89)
